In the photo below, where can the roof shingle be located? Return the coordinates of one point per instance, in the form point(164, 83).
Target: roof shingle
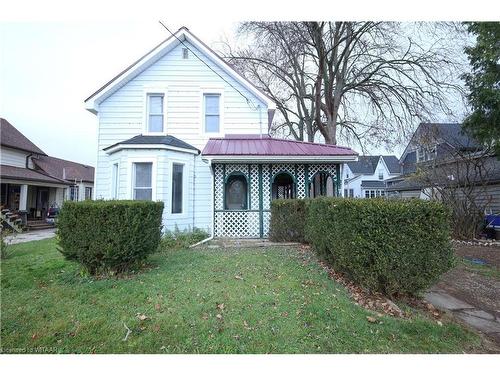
point(13, 138)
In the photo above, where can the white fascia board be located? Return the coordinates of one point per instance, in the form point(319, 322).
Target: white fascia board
point(116, 148)
point(92, 103)
point(279, 159)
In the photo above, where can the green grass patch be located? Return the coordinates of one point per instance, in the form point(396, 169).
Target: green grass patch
point(200, 301)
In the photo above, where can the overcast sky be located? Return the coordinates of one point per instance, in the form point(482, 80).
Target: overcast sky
point(47, 70)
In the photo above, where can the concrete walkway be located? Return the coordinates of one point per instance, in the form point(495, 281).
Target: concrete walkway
point(487, 322)
point(30, 236)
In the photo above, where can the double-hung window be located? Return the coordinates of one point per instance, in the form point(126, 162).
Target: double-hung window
point(177, 188)
point(73, 193)
point(88, 193)
point(155, 115)
point(143, 181)
point(212, 113)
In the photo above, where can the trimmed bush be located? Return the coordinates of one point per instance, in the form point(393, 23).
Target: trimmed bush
point(288, 219)
point(109, 236)
point(389, 246)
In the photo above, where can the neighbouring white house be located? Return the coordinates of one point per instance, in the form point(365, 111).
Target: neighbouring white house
point(367, 177)
point(32, 181)
point(181, 126)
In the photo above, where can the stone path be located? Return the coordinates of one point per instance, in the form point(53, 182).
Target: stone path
point(30, 236)
point(487, 322)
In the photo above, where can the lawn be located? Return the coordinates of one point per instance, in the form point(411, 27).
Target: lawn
point(273, 300)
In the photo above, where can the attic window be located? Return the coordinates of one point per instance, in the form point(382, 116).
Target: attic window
point(185, 53)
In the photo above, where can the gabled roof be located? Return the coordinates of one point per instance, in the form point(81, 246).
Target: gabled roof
point(183, 34)
point(13, 138)
point(256, 146)
point(450, 133)
point(392, 163)
point(364, 165)
point(65, 169)
point(25, 174)
point(367, 164)
point(160, 141)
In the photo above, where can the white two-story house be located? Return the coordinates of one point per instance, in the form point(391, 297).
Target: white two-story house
point(366, 178)
point(181, 126)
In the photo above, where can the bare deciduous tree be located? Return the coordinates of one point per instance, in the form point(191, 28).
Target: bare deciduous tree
point(362, 81)
point(461, 181)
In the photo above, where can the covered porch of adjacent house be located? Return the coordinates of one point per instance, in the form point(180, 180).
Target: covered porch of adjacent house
point(29, 201)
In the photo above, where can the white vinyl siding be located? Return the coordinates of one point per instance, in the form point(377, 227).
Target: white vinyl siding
point(123, 116)
point(12, 157)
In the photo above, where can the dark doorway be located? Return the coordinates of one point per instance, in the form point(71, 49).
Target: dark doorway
point(283, 186)
point(236, 193)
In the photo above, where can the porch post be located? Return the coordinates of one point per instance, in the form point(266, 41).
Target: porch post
point(23, 198)
point(23, 203)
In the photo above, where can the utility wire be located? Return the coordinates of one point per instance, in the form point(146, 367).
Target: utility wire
point(249, 102)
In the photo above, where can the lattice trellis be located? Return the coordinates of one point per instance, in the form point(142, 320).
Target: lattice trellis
point(254, 188)
point(301, 178)
point(266, 187)
point(242, 168)
point(219, 187)
point(266, 219)
point(277, 168)
point(237, 224)
point(328, 168)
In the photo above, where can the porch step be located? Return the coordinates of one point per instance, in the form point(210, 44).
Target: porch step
point(38, 225)
point(13, 220)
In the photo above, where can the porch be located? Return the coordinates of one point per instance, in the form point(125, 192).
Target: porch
point(243, 193)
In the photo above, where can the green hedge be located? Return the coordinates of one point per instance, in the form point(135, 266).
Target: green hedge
point(390, 246)
point(288, 219)
point(109, 236)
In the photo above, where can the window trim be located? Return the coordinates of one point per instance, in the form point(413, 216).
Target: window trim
point(185, 187)
point(115, 182)
point(183, 199)
point(148, 91)
point(215, 91)
point(130, 174)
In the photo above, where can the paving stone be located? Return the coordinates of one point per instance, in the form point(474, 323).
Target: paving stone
point(445, 301)
point(480, 314)
point(483, 325)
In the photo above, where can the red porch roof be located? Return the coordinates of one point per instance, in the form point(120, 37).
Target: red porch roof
point(265, 146)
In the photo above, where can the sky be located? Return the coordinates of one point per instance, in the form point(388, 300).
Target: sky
point(47, 70)
point(54, 54)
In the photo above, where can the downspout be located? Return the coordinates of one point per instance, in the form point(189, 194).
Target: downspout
point(211, 237)
point(194, 182)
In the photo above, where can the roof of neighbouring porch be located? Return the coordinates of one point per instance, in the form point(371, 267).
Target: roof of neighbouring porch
point(264, 147)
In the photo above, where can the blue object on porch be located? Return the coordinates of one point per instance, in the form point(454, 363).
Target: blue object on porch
point(478, 261)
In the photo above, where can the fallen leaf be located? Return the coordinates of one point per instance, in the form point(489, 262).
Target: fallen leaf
point(220, 306)
point(238, 277)
point(218, 316)
point(157, 307)
point(156, 328)
point(440, 323)
point(142, 317)
point(371, 319)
